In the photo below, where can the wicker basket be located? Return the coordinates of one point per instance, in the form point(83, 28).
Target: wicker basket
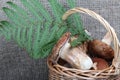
point(58, 72)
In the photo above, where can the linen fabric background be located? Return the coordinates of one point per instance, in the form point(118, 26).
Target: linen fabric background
point(15, 63)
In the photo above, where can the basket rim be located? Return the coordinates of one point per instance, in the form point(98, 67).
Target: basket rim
point(70, 72)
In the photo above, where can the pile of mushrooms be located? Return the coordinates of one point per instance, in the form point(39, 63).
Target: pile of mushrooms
point(94, 54)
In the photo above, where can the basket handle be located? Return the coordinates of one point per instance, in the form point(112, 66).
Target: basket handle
point(102, 21)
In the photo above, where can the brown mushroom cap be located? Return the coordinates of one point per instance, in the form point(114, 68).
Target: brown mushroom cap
point(101, 63)
point(100, 49)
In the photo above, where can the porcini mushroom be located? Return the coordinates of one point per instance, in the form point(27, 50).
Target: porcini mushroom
point(101, 48)
point(75, 56)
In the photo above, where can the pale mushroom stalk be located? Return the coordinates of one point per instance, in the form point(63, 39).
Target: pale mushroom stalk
point(107, 39)
point(64, 50)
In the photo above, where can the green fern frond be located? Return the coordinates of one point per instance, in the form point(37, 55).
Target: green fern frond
point(29, 39)
point(57, 9)
point(33, 28)
point(24, 37)
point(41, 9)
point(5, 29)
point(18, 9)
point(31, 9)
point(76, 18)
point(78, 27)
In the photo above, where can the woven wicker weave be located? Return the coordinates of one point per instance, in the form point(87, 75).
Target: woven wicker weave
point(58, 72)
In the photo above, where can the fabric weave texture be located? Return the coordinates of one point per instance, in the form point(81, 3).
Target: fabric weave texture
point(15, 64)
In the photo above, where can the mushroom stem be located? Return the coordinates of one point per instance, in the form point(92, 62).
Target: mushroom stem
point(95, 66)
point(64, 50)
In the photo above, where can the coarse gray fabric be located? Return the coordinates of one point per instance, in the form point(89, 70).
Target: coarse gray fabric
point(15, 64)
